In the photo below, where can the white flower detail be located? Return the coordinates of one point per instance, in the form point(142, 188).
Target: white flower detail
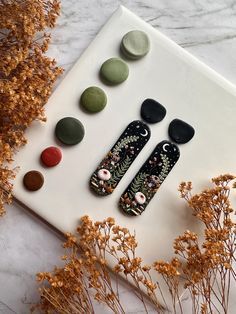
point(140, 198)
point(104, 174)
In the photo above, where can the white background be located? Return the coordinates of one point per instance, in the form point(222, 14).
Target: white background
point(205, 28)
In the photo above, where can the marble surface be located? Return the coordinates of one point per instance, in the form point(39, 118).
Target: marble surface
point(206, 28)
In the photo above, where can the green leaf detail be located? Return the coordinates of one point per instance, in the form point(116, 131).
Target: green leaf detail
point(120, 171)
point(165, 169)
point(145, 190)
point(126, 140)
point(138, 182)
point(130, 195)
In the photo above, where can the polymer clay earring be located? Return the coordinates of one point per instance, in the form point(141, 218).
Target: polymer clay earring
point(152, 111)
point(180, 131)
point(135, 44)
point(149, 178)
point(118, 160)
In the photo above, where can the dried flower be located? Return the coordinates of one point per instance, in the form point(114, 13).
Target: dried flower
point(205, 266)
point(26, 76)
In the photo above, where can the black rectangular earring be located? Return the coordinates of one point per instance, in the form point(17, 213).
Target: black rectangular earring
point(149, 178)
point(118, 160)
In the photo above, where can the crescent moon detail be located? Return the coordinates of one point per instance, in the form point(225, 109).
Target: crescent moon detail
point(144, 134)
point(164, 147)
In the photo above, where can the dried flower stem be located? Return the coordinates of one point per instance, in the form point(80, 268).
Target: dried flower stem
point(26, 76)
point(205, 266)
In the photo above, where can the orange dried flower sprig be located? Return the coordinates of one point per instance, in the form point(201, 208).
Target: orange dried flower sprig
point(209, 266)
point(86, 274)
point(204, 264)
point(21, 22)
point(27, 76)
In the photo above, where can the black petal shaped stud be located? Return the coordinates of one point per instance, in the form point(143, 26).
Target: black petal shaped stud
point(152, 111)
point(180, 132)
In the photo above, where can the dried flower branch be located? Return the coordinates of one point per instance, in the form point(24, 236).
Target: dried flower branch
point(86, 273)
point(205, 266)
point(21, 21)
point(26, 76)
point(209, 266)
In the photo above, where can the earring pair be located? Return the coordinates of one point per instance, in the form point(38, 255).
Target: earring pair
point(153, 172)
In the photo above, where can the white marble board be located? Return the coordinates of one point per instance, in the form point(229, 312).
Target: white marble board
point(186, 87)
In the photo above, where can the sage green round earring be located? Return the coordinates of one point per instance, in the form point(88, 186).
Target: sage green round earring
point(114, 71)
point(135, 44)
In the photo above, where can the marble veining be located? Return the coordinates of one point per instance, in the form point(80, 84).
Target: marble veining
point(206, 28)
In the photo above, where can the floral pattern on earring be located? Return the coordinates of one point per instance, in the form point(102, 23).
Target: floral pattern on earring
point(149, 178)
point(118, 160)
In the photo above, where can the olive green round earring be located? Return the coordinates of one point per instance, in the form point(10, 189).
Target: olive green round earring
point(93, 99)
